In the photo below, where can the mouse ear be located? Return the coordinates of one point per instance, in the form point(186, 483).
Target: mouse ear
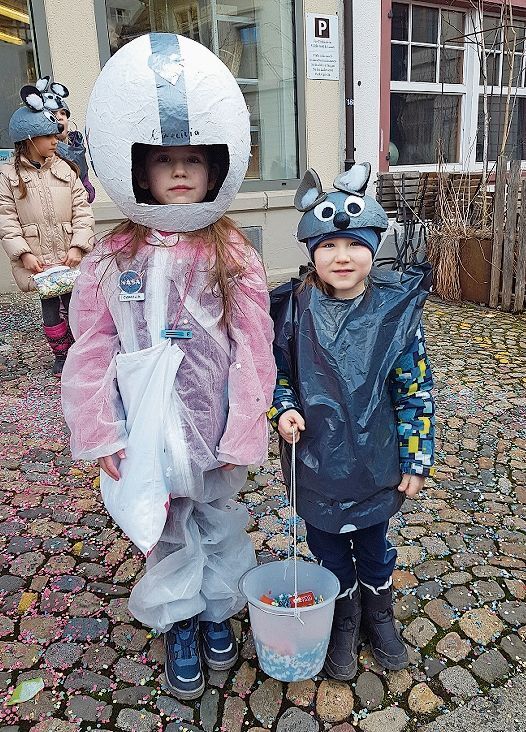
point(354, 180)
point(32, 98)
point(51, 101)
point(310, 191)
point(42, 84)
point(59, 89)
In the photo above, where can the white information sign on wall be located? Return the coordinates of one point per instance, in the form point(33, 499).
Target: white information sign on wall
point(323, 46)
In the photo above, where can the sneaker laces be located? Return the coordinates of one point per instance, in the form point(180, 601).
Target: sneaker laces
point(183, 643)
point(221, 630)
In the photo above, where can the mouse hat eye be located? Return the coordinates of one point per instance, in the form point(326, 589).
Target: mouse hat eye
point(354, 205)
point(325, 211)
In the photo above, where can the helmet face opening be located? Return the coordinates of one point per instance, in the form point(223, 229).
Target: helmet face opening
point(218, 160)
point(163, 89)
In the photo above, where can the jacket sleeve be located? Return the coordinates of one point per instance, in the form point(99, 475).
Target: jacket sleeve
point(10, 230)
point(285, 396)
point(90, 190)
point(90, 398)
point(82, 221)
point(411, 383)
point(252, 371)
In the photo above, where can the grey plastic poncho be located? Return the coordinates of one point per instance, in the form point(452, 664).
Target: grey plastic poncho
point(339, 356)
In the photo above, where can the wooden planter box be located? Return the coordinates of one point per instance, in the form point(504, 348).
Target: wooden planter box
point(475, 269)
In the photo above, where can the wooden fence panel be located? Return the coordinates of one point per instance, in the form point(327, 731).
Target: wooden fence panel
point(498, 231)
point(520, 272)
point(510, 234)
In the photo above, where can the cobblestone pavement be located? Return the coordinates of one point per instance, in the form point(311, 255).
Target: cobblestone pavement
point(66, 571)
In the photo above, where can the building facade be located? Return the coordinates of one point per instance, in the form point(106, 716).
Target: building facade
point(422, 75)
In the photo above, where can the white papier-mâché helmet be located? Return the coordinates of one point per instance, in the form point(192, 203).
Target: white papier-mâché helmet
point(164, 89)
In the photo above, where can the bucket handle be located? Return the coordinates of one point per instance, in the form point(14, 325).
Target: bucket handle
point(293, 518)
point(240, 582)
point(293, 536)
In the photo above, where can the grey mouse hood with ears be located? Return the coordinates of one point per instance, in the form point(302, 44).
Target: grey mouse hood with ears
point(34, 119)
point(341, 210)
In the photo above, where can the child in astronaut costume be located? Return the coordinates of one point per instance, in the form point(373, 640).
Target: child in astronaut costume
point(172, 371)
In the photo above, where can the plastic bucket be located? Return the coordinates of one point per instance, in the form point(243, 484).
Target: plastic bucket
point(288, 649)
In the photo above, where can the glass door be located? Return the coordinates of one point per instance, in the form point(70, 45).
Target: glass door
point(17, 61)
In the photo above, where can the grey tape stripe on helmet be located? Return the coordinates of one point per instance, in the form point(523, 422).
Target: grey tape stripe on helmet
point(173, 106)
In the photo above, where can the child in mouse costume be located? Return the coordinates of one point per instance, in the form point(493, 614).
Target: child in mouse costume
point(354, 390)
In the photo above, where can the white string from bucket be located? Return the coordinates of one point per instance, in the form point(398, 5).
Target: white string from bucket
point(293, 516)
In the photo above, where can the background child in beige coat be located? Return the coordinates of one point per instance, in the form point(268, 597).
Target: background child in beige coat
point(45, 218)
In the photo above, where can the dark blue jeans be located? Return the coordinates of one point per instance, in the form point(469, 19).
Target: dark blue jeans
point(366, 555)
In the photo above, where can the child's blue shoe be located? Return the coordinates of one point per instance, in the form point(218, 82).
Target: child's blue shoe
point(219, 645)
point(183, 670)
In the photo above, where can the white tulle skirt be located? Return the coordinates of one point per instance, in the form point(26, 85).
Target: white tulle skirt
point(196, 566)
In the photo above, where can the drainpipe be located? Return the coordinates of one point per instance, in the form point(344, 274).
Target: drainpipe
point(349, 83)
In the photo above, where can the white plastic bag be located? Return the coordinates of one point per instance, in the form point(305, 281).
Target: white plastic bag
point(140, 500)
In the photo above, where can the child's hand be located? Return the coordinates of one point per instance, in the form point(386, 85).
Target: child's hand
point(411, 484)
point(73, 257)
point(31, 263)
point(289, 420)
point(228, 466)
point(107, 464)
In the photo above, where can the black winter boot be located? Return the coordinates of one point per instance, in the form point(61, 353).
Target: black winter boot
point(378, 624)
point(58, 365)
point(341, 661)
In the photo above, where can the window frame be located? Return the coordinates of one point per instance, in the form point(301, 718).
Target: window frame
point(300, 75)
point(37, 12)
point(471, 91)
point(495, 91)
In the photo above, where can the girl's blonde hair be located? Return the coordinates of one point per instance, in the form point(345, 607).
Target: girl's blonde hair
point(228, 263)
point(313, 279)
point(21, 149)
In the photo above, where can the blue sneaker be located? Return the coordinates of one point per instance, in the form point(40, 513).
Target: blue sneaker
point(219, 645)
point(183, 670)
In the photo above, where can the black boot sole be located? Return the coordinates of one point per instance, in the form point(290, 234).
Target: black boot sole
point(391, 663)
point(338, 672)
point(219, 665)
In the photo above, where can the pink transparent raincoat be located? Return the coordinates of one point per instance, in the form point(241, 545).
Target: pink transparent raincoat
point(180, 408)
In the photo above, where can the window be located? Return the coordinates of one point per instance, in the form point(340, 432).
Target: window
point(17, 61)
point(427, 83)
point(118, 15)
point(255, 40)
point(420, 121)
point(427, 44)
point(504, 48)
point(515, 145)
